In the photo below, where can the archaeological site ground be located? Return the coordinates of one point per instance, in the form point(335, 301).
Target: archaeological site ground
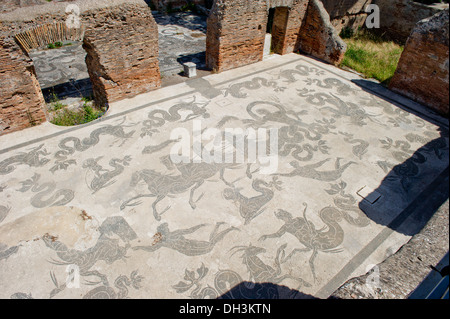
point(243, 149)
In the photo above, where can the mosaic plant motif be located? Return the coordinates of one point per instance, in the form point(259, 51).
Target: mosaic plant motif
point(158, 118)
point(176, 240)
point(261, 272)
point(46, 193)
point(122, 285)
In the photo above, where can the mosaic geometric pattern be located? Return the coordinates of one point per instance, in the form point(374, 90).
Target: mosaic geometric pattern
point(106, 203)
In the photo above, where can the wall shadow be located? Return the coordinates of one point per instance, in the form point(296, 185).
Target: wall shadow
point(71, 89)
point(251, 290)
point(195, 22)
point(417, 187)
point(415, 108)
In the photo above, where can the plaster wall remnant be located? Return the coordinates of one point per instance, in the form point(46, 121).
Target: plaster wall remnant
point(423, 70)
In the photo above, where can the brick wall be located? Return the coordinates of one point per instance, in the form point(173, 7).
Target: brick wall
point(122, 53)
point(21, 102)
point(236, 33)
point(318, 37)
point(121, 40)
point(423, 70)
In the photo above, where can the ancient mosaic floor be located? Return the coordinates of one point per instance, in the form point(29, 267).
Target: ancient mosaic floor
point(101, 210)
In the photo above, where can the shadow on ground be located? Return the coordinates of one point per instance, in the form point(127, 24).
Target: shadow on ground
point(251, 290)
point(420, 182)
point(71, 89)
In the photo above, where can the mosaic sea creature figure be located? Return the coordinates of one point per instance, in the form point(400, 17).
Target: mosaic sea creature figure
point(47, 195)
point(176, 240)
point(32, 159)
point(256, 83)
point(310, 171)
point(261, 272)
point(106, 249)
point(191, 176)
point(158, 118)
point(326, 240)
point(103, 177)
point(250, 208)
point(62, 161)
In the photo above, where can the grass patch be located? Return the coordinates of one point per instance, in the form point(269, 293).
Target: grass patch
point(64, 116)
point(84, 115)
point(371, 55)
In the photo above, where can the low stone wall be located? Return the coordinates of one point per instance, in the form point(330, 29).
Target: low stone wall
point(122, 54)
point(423, 70)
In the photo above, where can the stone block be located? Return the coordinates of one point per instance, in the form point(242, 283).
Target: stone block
point(190, 69)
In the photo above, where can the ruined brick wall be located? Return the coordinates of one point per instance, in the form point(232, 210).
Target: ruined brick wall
point(236, 33)
point(296, 17)
point(423, 70)
point(21, 99)
point(318, 37)
point(122, 46)
point(122, 53)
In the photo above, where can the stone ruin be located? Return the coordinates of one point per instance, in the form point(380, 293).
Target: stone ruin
point(121, 41)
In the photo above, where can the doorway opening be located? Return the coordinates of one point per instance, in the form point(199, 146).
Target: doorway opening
point(182, 39)
point(276, 30)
